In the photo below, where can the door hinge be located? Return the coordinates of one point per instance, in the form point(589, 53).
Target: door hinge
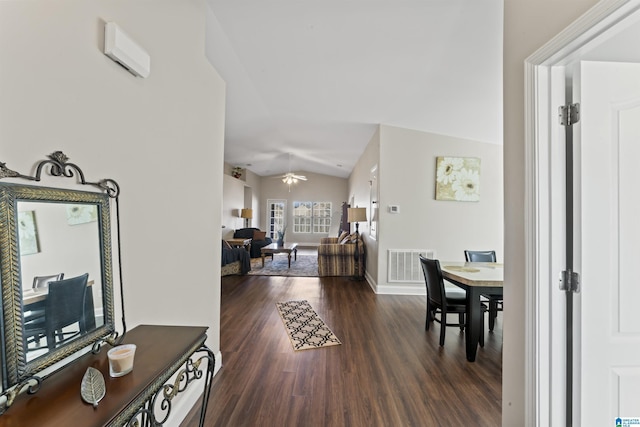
point(569, 114)
point(570, 281)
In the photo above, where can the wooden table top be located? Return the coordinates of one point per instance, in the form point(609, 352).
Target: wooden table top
point(274, 248)
point(58, 402)
point(474, 273)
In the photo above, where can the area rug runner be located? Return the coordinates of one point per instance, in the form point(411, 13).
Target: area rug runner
point(304, 266)
point(306, 330)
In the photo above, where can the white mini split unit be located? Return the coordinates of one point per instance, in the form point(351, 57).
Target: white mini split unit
point(125, 51)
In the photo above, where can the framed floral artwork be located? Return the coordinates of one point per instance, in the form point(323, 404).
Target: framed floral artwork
point(81, 214)
point(458, 178)
point(27, 233)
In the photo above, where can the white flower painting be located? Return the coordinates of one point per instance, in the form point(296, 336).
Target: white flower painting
point(458, 178)
point(81, 214)
point(27, 233)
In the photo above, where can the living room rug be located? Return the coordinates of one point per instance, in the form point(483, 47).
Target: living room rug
point(305, 328)
point(304, 266)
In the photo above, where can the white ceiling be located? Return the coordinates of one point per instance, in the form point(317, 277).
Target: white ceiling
point(314, 79)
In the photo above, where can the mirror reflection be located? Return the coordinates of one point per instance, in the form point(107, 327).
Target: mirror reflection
point(60, 273)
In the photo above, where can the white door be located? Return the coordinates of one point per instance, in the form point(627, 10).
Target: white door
point(607, 251)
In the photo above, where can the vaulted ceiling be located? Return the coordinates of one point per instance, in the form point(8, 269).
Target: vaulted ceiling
point(315, 79)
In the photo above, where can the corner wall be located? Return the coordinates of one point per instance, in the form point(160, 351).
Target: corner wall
point(232, 203)
point(235, 197)
point(160, 138)
point(359, 194)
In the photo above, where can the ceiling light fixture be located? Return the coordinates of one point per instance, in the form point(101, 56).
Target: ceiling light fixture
point(291, 178)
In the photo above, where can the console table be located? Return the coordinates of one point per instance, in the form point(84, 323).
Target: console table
point(161, 352)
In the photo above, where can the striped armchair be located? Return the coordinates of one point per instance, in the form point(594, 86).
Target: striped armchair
point(335, 259)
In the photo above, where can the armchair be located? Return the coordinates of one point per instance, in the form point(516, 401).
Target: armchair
point(234, 260)
point(338, 259)
point(256, 243)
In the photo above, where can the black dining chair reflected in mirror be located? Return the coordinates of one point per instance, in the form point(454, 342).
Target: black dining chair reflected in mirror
point(495, 302)
point(35, 310)
point(64, 307)
point(40, 283)
point(443, 301)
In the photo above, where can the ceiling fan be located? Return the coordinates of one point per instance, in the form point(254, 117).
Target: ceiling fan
point(290, 177)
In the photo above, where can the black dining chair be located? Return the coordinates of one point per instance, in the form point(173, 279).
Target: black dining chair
point(444, 301)
point(35, 310)
point(64, 306)
point(495, 302)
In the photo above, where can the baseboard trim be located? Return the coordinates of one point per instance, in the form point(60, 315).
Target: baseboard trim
point(416, 289)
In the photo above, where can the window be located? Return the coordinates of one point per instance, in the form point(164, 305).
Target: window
point(302, 217)
point(321, 217)
point(276, 214)
point(311, 217)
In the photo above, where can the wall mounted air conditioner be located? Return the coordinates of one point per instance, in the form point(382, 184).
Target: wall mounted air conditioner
point(125, 51)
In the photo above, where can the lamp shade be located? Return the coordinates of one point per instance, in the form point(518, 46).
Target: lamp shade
point(246, 213)
point(356, 214)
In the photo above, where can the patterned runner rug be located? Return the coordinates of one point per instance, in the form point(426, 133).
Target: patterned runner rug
point(306, 330)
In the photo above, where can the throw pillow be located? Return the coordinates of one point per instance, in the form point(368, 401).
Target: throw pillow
point(259, 235)
point(342, 236)
point(351, 238)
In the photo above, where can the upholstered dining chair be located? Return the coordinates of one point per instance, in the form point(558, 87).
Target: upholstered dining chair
point(495, 302)
point(443, 301)
point(36, 310)
point(64, 306)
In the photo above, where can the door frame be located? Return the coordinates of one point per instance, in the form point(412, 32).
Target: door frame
point(544, 376)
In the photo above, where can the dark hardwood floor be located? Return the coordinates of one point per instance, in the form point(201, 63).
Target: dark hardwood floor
point(388, 371)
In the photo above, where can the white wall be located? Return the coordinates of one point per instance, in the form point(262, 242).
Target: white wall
point(232, 203)
point(407, 170)
point(238, 193)
point(160, 138)
point(528, 25)
point(254, 186)
point(318, 188)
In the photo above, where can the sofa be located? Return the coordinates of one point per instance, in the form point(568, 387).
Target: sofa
point(259, 239)
point(336, 256)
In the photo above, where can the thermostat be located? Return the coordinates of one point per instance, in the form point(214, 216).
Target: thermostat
point(394, 209)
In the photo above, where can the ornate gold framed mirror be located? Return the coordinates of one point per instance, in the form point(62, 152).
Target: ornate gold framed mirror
point(51, 239)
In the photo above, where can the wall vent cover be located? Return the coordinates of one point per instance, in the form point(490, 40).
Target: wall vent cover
point(404, 265)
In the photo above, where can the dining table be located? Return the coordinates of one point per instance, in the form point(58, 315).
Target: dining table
point(477, 279)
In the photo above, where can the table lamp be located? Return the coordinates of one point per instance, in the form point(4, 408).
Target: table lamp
point(247, 214)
